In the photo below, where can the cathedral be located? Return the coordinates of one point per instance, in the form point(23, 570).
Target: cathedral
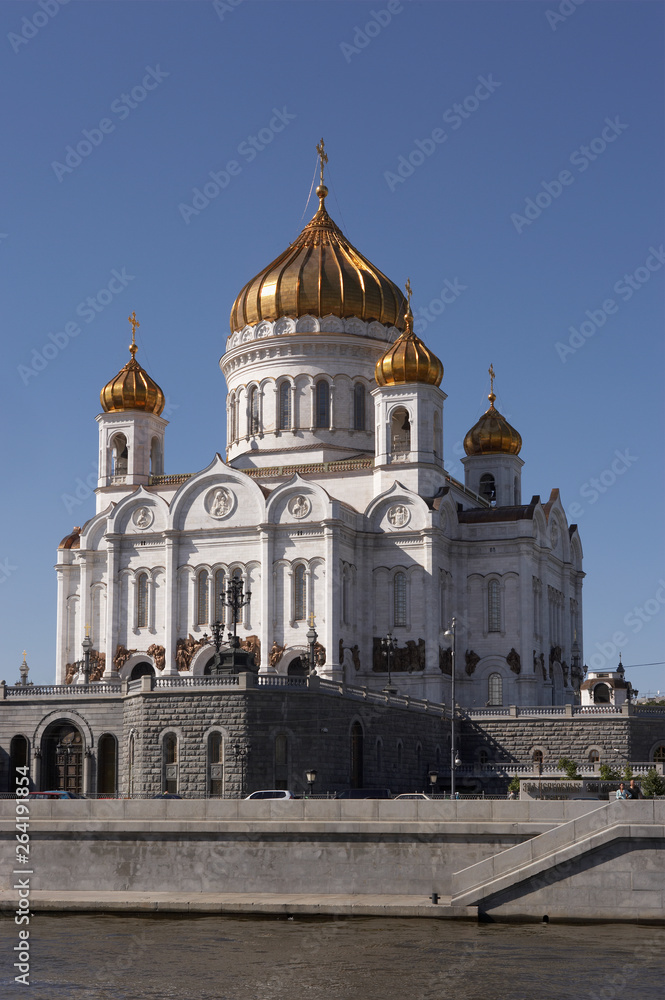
point(332, 507)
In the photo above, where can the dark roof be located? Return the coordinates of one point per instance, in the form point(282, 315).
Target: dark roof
point(495, 515)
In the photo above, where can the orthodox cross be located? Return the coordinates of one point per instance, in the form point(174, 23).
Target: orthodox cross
point(133, 320)
point(311, 619)
point(323, 156)
point(492, 377)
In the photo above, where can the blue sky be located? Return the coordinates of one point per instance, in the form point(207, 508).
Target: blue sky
point(539, 198)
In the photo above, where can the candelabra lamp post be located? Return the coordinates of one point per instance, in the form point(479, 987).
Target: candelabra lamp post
point(312, 638)
point(455, 760)
point(234, 660)
point(311, 778)
point(433, 778)
point(236, 600)
point(388, 647)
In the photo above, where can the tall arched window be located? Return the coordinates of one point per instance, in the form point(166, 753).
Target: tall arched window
point(119, 455)
point(400, 435)
point(156, 464)
point(487, 486)
point(601, 694)
point(516, 491)
point(359, 407)
point(220, 606)
point(493, 606)
point(202, 588)
point(436, 435)
point(495, 689)
point(253, 410)
point(399, 599)
point(322, 414)
point(18, 757)
point(659, 754)
point(233, 416)
point(170, 757)
point(284, 422)
point(299, 594)
point(215, 766)
point(106, 765)
point(356, 755)
point(345, 595)
point(142, 601)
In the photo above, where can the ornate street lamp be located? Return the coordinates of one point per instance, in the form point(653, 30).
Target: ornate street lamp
point(236, 600)
point(312, 638)
point(311, 778)
point(388, 647)
point(241, 754)
point(433, 778)
point(454, 756)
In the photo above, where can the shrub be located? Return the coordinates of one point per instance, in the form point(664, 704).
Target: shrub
point(568, 766)
point(627, 772)
point(608, 773)
point(652, 784)
point(514, 785)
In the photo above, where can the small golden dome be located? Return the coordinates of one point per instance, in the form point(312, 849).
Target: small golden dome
point(319, 274)
point(132, 388)
point(492, 434)
point(408, 360)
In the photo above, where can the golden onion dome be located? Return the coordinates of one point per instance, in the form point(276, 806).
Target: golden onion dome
point(132, 388)
point(408, 359)
point(492, 435)
point(319, 274)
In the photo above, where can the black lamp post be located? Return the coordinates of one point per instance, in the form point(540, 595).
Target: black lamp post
point(241, 756)
point(236, 600)
point(312, 637)
point(454, 756)
point(311, 778)
point(433, 778)
point(388, 647)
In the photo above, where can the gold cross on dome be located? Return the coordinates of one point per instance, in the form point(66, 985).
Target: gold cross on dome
point(311, 614)
point(409, 291)
point(323, 156)
point(492, 377)
point(133, 320)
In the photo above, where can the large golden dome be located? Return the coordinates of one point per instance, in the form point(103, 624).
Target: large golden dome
point(408, 360)
point(132, 388)
point(319, 274)
point(492, 434)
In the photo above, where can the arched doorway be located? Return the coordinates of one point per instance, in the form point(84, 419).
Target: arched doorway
point(142, 669)
point(601, 694)
point(298, 667)
point(356, 755)
point(18, 757)
point(62, 751)
point(106, 764)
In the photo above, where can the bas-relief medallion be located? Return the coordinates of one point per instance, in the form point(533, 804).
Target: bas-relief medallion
point(299, 506)
point(399, 515)
point(220, 502)
point(142, 518)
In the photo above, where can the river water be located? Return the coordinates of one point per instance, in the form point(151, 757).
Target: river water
point(100, 957)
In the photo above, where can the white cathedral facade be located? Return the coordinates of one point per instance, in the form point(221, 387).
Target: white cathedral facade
point(332, 500)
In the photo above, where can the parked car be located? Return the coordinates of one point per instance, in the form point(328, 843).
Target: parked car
point(412, 795)
point(166, 795)
point(271, 793)
point(365, 793)
point(57, 794)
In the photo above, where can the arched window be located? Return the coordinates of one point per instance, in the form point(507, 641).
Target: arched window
point(142, 601)
point(253, 410)
point(62, 753)
point(156, 464)
point(516, 491)
point(106, 764)
point(594, 756)
point(601, 694)
point(487, 486)
point(281, 755)
point(18, 757)
point(356, 755)
point(119, 455)
point(220, 606)
point(399, 599)
point(322, 404)
point(537, 757)
point(202, 588)
point(359, 407)
point(345, 595)
point(215, 766)
point(400, 435)
point(495, 689)
point(170, 758)
point(659, 754)
point(233, 415)
point(419, 759)
point(284, 421)
point(299, 594)
point(483, 757)
point(436, 435)
point(493, 606)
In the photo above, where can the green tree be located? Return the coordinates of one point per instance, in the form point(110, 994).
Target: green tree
point(652, 784)
point(608, 773)
point(514, 785)
point(568, 766)
point(627, 772)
